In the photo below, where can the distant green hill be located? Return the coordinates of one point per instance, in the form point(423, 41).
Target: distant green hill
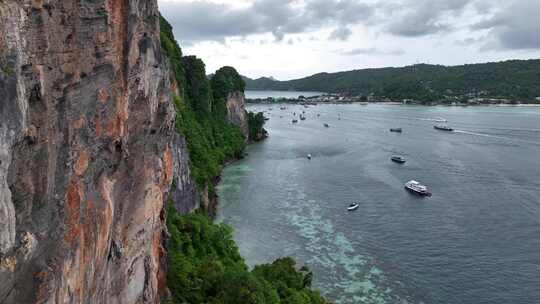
point(515, 80)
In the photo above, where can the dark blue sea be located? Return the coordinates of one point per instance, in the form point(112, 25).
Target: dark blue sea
point(475, 241)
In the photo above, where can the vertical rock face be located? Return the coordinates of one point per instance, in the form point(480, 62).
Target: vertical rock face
point(236, 107)
point(86, 151)
point(184, 192)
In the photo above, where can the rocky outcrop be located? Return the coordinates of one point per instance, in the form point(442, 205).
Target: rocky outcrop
point(87, 152)
point(236, 108)
point(261, 135)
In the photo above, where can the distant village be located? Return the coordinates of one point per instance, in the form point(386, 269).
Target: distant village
point(471, 99)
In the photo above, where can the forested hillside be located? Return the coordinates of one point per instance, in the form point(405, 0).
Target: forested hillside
point(516, 79)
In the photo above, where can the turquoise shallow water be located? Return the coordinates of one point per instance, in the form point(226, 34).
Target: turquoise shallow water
point(477, 240)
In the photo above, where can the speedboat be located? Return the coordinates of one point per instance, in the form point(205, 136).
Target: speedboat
point(443, 128)
point(397, 130)
point(417, 188)
point(353, 206)
point(398, 159)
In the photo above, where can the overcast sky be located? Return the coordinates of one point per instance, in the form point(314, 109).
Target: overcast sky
point(295, 38)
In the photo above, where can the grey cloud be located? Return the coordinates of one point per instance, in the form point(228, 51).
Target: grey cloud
point(208, 21)
point(341, 33)
point(468, 42)
point(515, 27)
point(510, 24)
point(420, 18)
point(370, 51)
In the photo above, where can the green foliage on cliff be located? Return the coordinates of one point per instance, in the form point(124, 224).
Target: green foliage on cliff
point(211, 139)
point(172, 50)
point(197, 90)
point(206, 267)
point(516, 79)
point(210, 142)
point(225, 81)
point(256, 125)
point(204, 263)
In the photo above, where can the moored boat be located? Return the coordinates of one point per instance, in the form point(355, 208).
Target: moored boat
point(295, 121)
point(326, 125)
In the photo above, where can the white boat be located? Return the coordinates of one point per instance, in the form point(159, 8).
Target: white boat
point(417, 188)
point(309, 156)
point(440, 119)
point(353, 206)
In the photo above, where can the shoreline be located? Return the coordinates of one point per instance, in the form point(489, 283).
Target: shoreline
point(213, 200)
point(391, 103)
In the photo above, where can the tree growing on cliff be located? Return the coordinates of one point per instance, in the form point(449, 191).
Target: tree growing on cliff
point(198, 89)
point(256, 126)
point(224, 82)
point(227, 80)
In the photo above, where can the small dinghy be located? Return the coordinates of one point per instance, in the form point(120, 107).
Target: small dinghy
point(398, 159)
point(353, 206)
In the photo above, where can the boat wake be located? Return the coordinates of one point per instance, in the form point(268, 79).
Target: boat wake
point(434, 119)
point(496, 137)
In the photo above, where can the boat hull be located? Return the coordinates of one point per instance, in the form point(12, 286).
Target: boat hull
point(418, 193)
point(353, 208)
point(443, 129)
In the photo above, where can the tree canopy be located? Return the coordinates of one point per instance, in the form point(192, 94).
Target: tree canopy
point(515, 79)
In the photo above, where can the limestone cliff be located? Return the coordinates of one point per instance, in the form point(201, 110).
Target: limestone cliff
point(87, 152)
point(184, 194)
point(236, 109)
